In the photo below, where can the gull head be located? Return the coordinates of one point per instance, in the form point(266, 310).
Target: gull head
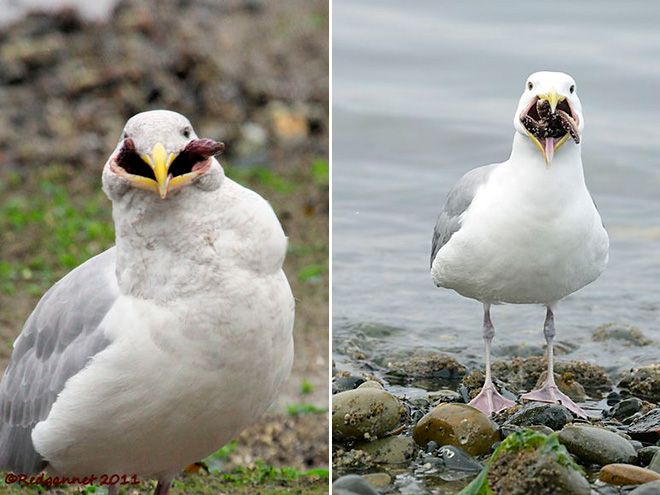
point(550, 113)
point(159, 152)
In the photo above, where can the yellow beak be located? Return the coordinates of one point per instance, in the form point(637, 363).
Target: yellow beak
point(553, 98)
point(159, 161)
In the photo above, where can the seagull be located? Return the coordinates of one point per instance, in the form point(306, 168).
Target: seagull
point(525, 231)
point(158, 351)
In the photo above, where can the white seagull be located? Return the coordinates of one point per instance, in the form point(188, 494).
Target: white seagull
point(525, 231)
point(155, 353)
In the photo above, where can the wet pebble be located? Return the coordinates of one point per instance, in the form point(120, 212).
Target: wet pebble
point(626, 408)
point(344, 383)
point(554, 416)
point(645, 454)
point(626, 474)
point(444, 395)
point(646, 427)
point(390, 450)
point(597, 445)
point(456, 459)
point(652, 488)
point(352, 484)
point(364, 413)
point(654, 465)
point(459, 425)
point(378, 480)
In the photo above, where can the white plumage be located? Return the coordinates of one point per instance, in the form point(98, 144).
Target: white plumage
point(195, 324)
point(525, 231)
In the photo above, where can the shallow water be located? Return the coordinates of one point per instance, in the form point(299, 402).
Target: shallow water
point(425, 91)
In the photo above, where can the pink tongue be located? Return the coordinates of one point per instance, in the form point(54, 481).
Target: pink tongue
point(549, 149)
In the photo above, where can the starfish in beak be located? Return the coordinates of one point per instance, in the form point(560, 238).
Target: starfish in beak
point(549, 121)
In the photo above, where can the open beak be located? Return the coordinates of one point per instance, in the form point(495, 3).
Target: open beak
point(549, 121)
point(159, 161)
point(163, 172)
point(553, 98)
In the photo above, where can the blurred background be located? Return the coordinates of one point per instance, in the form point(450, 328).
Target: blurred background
point(424, 92)
point(250, 73)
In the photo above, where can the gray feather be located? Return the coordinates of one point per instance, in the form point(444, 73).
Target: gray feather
point(59, 338)
point(458, 201)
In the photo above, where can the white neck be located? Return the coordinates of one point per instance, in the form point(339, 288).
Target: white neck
point(164, 247)
point(566, 165)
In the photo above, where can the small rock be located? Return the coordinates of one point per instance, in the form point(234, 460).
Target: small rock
point(644, 382)
point(456, 459)
point(371, 384)
point(351, 460)
point(352, 484)
point(654, 465)
point(524, 373)
point(378, 480)
point(459, 425)
point(444, 395)
point(626, 474)
point(613, 398)
point(526, 470)
point(554, 416)
point(597, 445)
point(626, 408)
point(652, 488)
point(344, 383)
point(427, 365)
point(390, 450)
point(646, 426)
point(364, 413)
point(628, 335)
point(645, 454)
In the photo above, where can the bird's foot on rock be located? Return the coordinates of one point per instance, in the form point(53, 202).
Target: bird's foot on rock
point(490, 401)
point(551, 393)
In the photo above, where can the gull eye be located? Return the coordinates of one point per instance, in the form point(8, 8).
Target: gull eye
point(530, 85)
point(572, 88)
point(186, 132)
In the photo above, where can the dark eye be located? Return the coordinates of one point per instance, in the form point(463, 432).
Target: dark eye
point(572, 88)
point(186, 132)
point(124, 135)
point(530, 85)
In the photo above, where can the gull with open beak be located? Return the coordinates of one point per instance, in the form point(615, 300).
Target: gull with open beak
point(142, 360)
point(525, 231)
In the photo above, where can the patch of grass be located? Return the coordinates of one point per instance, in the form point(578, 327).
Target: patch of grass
point(306, 387)
point(48, 228)
point(296, 409)
point(311, 273)
point(260, 175)
point(321, 172)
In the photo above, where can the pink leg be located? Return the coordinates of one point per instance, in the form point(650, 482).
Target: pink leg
point(489, 400)
point(549, 392)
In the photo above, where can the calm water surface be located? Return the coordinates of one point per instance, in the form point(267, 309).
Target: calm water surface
point(425, 91)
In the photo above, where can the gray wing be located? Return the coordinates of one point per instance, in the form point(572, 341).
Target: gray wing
point(458, 200)
point(58, 339)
